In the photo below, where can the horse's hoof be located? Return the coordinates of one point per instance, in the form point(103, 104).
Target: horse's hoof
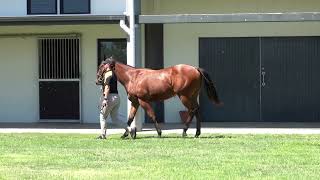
point(133, 133)
point(197, 134)
point(184, 133)
point(101, 137)
point(159, 133)
point(125, 134)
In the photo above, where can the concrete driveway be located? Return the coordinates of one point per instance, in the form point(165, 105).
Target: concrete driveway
point(218, 128)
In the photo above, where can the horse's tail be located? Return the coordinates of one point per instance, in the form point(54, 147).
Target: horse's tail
point(211, 90)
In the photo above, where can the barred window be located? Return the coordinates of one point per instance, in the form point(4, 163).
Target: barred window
point(59, 58)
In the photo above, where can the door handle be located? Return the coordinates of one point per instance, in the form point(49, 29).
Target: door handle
point(263, 73)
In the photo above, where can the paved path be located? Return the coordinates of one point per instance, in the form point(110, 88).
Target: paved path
point(220, 128)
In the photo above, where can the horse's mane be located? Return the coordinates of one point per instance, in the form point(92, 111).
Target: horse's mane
point(113, 61)
point(109, 60)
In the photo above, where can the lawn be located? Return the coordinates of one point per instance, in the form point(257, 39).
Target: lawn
point(63, 156)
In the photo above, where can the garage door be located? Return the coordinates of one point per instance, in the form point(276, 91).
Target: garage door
point(262, 79)
point(292, 90)
point(233, 64)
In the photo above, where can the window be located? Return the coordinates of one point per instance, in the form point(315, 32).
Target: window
point(59, 78)
point(75, 6)
point(116, 48)
point(42, 6)
point(51, 7)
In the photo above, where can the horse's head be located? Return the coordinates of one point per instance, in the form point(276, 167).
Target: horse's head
point(105, 66)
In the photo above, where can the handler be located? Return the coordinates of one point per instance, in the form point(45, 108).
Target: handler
point(110, 103)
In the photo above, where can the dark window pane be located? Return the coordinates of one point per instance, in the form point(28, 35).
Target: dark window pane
point(75, 6)
point(116, 48)
point(42, 6)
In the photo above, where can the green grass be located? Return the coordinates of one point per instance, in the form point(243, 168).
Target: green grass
point(63, 156)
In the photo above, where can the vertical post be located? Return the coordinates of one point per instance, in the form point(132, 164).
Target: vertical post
point(134, 48)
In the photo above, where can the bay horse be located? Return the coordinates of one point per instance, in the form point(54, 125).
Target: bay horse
point(146, 85)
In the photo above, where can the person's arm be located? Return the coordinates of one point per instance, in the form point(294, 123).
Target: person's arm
point(106, 89)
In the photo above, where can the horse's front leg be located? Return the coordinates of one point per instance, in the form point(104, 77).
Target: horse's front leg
point(133, 111)
point(148, 108)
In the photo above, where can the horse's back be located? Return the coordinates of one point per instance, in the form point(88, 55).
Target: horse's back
point(153, 85)
point(186, 79)
point(185, 71)
point(164, 83)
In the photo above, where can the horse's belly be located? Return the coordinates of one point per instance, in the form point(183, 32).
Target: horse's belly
point(157, 96)
point(162, 97)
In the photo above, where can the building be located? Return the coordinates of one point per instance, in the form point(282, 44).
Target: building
point(49, 55)
point(263, 56)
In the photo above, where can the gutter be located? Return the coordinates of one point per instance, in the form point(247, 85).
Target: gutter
point(79, 19)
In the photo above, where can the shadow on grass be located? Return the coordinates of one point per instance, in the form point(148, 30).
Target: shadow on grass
point(188, 137)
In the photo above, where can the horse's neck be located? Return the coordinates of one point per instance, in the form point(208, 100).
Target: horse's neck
point(122, 72)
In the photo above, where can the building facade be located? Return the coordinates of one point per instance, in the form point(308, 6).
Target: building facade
point(262, 55)
point(49, 56)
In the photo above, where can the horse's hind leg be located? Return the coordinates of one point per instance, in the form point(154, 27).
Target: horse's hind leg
point(197, 113)
point(148, 108)
point(192, 105)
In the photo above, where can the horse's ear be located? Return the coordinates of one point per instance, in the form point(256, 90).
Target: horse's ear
point(111, 58)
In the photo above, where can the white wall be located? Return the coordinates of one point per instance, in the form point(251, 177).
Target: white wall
point(18, 77)
point(98, 7)
point(21, 53)
point(13, 7)
point(181, 44)
point(91, 92)
point(227, 6)
point(110, 7)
